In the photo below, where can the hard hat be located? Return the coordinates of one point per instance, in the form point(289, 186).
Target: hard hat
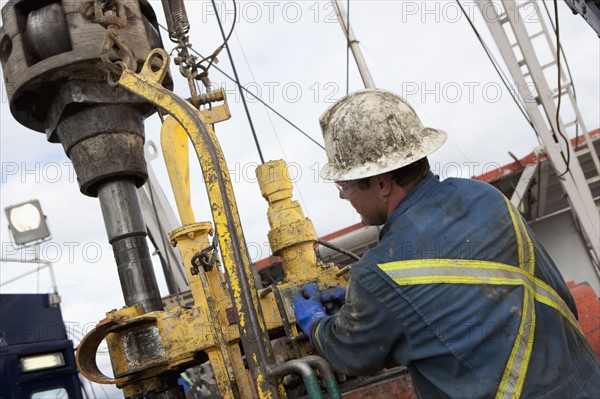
point(373, 131)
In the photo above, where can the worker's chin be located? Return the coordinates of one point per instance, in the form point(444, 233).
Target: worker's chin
point(371, 221)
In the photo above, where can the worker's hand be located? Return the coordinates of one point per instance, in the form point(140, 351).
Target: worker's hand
point(334, 294)
point(308, 307)
point(333, 298)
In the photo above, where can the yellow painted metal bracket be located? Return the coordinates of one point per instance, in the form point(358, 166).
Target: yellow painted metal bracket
point(175, 334)
point(174, 138)
point(174, 141)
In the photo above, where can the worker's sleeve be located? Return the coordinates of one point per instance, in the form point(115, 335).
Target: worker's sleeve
point(358, 339)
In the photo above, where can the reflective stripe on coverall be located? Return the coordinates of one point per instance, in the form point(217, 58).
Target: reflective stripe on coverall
point(465, 321)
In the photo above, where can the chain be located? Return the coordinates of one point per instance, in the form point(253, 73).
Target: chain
point(189, 66)
point(202, 258)
point(112, 15)
point(179, 26)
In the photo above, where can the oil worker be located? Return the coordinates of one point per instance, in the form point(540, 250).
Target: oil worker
point(458, 289)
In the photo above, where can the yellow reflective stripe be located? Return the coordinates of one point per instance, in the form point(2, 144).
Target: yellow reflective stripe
point(442, 279)
point(513, 378)
point(530, 250)
point(525, 246)
point(186, 378)
point(465, 271)
point(530, 300)
point(429, 263)
point(520, 246)
point(516, 368)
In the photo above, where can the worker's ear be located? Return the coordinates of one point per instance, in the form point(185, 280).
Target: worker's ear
point(384, 184)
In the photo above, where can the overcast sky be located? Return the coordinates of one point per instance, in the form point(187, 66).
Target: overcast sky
point(293, 55)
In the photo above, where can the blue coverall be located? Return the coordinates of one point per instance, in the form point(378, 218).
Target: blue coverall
point(457, 339)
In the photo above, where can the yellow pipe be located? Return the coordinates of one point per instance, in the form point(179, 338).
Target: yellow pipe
point(292, 235)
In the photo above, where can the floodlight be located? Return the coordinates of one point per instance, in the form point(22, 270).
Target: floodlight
point(27, 222)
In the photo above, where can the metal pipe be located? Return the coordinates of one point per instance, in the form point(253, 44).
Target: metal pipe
point(121, 210)
point(127, 233)
point(353, 43)
point(328, 376)
point(341, 250)
point(300, 366)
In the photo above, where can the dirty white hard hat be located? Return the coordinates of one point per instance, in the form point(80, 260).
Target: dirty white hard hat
point(373, 131)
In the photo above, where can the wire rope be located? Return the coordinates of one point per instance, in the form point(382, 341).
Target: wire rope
point(559, 101)
point(225, 38)
point(562, 51)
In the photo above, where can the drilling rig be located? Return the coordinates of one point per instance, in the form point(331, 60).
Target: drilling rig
point(88, 74)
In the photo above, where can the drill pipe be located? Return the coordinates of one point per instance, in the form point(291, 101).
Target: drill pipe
point(127, 234)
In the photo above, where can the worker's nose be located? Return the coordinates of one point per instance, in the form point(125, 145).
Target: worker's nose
point(342, 195)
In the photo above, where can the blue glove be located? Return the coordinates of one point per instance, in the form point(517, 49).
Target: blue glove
point(333, 298)
point(308, 308)
point(334, 294)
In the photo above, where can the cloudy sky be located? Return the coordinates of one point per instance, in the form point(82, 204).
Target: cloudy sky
point(292, 54)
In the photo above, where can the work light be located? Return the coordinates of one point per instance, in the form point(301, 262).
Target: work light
point(27, 222)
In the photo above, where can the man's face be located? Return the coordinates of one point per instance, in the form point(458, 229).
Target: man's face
point(365, 199)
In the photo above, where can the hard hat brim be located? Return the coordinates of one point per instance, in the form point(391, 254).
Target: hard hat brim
point(432, 139)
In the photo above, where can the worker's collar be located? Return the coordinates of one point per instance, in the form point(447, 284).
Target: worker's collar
point(412, 198)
